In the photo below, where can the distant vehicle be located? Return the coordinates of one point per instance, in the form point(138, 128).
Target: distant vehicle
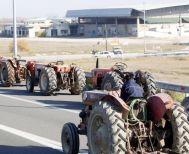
point(117, 50)
point(104, 54)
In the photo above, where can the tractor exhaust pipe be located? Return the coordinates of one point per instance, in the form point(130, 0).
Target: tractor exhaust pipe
point(97, 63)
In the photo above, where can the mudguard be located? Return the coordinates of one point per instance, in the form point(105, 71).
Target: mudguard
point(158, 105)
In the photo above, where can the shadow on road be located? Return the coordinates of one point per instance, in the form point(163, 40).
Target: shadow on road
point(4, 149)
point(9, 91)
point(63, 104)
point(18, 92)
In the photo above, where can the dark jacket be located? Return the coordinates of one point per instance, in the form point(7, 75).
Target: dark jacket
point(131, 89)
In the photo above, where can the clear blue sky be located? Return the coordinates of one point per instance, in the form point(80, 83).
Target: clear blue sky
point(49, 8)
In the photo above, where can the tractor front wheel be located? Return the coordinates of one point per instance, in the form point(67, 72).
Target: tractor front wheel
point(70, 139)
point(30, 82)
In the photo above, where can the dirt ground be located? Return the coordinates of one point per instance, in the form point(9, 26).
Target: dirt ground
point(79, 46)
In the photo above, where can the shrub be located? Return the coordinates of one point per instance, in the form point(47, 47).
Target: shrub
point(178, 96)
point(21, 44)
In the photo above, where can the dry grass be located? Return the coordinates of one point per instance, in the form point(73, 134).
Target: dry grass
point(22, 46)
point(171, 69)
point(69, 46)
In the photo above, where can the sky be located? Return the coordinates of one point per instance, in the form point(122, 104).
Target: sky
point(57, 8)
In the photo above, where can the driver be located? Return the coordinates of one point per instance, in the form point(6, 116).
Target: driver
point(131, 89)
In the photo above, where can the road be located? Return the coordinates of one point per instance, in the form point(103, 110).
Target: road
point(32, 123)
point(43, 57)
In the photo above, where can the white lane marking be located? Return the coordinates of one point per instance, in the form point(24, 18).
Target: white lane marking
point(35, 138)
point(32, 137)
point(37, 103)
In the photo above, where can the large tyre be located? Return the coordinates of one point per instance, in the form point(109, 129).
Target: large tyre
point(7, 74)
point(180, 129)
point(70, 139)
point(185, 104)
point(149, 85)
point(111, 81)
point(47, 81)
point(79, 82)
point(106, 130)
point(30, 82)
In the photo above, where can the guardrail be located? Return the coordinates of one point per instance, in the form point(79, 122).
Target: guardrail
point(173, 87)
point(163, 85)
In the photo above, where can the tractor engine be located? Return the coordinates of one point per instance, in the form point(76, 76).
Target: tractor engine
point(137, 126)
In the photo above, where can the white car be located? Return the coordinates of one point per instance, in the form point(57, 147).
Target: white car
point(104, 54)
point(117, 50)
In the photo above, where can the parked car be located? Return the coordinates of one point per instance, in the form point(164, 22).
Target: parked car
point(117, 50)
point(104, 54)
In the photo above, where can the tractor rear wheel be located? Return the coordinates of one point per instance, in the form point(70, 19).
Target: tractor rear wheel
point(180, 129)
point(149, 85)
point(79, 82)
point(111, 81)
point(106, 130)
point(185, 104)
point(70, 139)
point(47, 81)
point(30, 82)
point(7, 74)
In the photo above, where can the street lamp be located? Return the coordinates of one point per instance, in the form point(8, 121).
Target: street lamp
point(15, 30)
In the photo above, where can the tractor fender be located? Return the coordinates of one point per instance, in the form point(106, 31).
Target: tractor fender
point(116, 100)
point(90, 97)
point(158, 105)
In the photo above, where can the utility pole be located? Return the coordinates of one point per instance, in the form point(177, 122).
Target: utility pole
point(106, 37)
point(180, 25)
point(15, 30)
point(144, 29)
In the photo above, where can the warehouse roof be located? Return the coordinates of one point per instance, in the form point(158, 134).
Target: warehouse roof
point(172, 10)
point(111, 12)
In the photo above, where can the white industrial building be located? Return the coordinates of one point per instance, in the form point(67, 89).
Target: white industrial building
point(59, 28)
point(29, 28)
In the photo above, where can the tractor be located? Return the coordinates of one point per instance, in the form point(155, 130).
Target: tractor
point(54, 76)
point(153, 125)
point(114, 77)
point(12, 71)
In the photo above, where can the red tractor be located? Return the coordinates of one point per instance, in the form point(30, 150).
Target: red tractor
point(54, 77)
point(112, 125)
point(114, 77)
point(12, 71)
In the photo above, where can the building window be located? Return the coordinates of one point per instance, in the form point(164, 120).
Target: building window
point(64, 32)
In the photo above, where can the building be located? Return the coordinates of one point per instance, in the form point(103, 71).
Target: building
point(22, 30)
point(105, 22)
point(59, 28)
point(29, 28)
point(39, 26)
point(167, 21)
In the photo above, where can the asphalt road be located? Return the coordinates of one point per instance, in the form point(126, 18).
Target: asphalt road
point(31, 123)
